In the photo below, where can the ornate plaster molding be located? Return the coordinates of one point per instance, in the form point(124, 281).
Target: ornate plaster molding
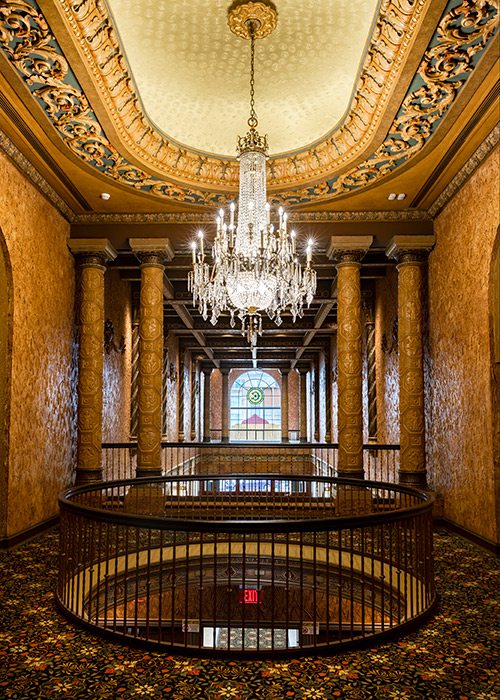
point(208, 217)
point(466, 171)
point(34, 176)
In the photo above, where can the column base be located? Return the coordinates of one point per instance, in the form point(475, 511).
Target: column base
point(417, 479)
point(351, 474)
point(285, 439)
point(143, 473)
point(87, 476)
point(225, 439)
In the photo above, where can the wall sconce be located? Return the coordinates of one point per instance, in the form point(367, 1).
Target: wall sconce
point(393, 345)
point(109, 339)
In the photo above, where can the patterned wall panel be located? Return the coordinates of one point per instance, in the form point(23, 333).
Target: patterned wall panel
point(42, 420)
point(459, 395)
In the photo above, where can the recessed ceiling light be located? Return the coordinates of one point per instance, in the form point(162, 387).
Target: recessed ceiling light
point(105, 196)
point(402, 195)
point(392, 196)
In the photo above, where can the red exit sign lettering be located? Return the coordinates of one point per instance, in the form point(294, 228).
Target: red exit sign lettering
point(251, 596)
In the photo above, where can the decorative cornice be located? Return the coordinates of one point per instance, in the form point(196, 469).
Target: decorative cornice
point(466, 171)
point(209, 217)
point(36, 178)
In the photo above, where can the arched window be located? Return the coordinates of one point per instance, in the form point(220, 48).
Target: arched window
point(255, 407)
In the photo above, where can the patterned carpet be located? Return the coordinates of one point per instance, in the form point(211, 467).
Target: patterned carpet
point(454, 657)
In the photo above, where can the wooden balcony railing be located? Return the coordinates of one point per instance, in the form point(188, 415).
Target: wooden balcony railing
point(246, 564)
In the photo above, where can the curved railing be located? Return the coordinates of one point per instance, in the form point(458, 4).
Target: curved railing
point(380, 461)
point(257, 564)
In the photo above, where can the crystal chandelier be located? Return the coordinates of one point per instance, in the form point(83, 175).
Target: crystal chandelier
point(255, 266)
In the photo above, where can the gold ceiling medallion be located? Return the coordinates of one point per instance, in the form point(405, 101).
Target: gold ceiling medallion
point(262, 15)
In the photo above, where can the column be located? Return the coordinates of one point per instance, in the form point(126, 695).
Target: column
point(206, 405)
point(284, 405)
point(92, 256)
point(152, 254)
point(225, 405)
point(180, 402)
point(371, 370)
point(348, 252)
point(410, 253)
point(303, 405)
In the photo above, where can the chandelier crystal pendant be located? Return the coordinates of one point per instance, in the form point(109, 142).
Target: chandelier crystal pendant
point(256, 267)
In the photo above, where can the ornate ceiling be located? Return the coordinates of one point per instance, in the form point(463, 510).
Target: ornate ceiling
point(306, 70)
point(142, 100)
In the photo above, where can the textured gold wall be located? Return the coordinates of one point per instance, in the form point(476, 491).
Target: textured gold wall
point(42, 417)
point(459, 397)
point(117, 366)
point(386, 310)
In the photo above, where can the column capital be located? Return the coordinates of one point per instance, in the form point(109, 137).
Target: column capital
point(285, 371)
point(152, 251)
point(410, 249)
point(92, 252)
point(225, 371)
point(348, 249)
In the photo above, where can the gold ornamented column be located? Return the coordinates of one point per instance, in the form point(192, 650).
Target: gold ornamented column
point(92, 256)
point(225, 404)
point(303, 404)
point(410, 253)
point(152, 254)
point(348, 252)
point(284, 405)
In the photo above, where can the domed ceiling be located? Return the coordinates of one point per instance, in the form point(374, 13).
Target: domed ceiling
point(193, 81)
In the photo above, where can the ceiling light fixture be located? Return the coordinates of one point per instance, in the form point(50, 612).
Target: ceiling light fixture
point(256, 266)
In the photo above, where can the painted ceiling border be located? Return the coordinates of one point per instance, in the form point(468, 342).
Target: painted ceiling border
point(463, 34)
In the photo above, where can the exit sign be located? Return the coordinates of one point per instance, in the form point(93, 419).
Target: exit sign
point(251, 596)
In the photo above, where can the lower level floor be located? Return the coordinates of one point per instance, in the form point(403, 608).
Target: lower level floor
point(453, 657)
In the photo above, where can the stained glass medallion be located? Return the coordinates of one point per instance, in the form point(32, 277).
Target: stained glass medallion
point(255, 395)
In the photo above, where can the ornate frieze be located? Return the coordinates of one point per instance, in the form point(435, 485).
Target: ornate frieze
point(464, 31)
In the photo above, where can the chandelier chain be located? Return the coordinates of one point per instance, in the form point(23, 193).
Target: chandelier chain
point(252, 120)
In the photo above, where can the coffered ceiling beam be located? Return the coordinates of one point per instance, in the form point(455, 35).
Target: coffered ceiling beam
point(187, 319)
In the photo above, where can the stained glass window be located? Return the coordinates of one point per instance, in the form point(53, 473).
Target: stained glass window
point(255, 407)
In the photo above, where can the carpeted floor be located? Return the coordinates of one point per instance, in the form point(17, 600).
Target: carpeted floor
point(454, 657)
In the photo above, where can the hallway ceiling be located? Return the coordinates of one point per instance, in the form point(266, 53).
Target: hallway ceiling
point(144, 101)
point(146, 106)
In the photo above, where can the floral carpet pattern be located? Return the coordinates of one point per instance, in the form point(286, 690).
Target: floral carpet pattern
point(455, 656)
